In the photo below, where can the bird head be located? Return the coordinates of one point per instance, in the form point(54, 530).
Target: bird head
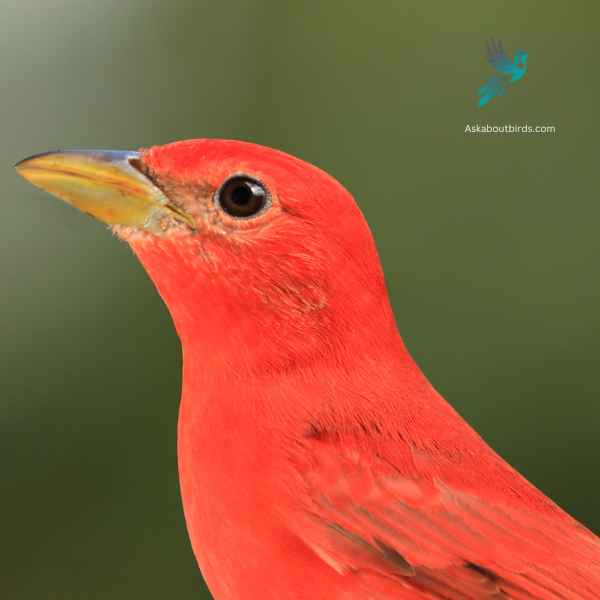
point(521, 58)
point(256, 253)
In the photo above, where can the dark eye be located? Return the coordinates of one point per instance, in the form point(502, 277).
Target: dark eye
point(242, 197)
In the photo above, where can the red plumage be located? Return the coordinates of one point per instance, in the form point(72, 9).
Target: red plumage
point(316, 461)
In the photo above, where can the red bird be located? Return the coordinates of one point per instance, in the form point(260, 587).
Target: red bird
point(316, 461)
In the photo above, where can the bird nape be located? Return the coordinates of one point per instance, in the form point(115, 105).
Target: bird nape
point(315, 459)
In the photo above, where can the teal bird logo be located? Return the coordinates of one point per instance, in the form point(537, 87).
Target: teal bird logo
point(508, 72)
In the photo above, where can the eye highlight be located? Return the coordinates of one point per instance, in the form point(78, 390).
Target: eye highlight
point(242, 197)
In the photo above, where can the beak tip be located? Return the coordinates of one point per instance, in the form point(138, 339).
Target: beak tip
point(20, 164)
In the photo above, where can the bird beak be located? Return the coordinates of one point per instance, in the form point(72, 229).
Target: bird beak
point(106, 184)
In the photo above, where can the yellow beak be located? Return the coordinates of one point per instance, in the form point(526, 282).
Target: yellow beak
point(106, 185)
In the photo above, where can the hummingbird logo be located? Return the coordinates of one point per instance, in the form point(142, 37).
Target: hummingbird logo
point(508, 72)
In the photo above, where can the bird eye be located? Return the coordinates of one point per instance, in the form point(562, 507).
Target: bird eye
point(242, 197)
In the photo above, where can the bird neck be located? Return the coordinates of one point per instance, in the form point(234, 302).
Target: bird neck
point(267, 328)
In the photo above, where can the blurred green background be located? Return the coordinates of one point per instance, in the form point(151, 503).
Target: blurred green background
point(490, 245)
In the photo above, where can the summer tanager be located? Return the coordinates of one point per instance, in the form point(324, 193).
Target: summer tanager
point(316, 461)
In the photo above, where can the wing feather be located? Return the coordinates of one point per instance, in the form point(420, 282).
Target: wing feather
point(361, 516)
point(497, 57)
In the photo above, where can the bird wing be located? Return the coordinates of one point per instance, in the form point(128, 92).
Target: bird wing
point(497, 57)
point(424, 539)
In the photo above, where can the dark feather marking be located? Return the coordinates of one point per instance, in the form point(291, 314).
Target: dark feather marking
point(349, 535)
point(314, 432)
point(380, 551)
point(393, 556)
point(482, 571)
